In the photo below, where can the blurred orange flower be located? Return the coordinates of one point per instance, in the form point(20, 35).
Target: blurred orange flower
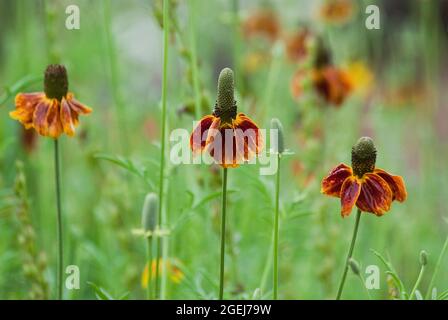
point(296, 45)
point(337, 11)
point(173, 270)
point(263, 23)
point(52, 112)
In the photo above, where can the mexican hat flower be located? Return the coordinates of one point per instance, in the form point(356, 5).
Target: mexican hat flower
point(52, 112)
point(369, 188)
point(229, 137)
point(337, 11)
point(262, 23)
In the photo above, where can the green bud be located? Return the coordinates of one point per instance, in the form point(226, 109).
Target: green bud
point(363, 156)
point(423, 258)
point(225, 104)
point(354, 266)
point(279, 145)
point(149, 212)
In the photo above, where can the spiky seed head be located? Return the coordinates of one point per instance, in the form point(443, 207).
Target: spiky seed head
point(279, 145)
point(149, 212)
point(363, 156)
point(225, 104)
point(55, 81)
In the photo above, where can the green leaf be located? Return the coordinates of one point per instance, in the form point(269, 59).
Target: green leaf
point(100, 293)
point(391, 271)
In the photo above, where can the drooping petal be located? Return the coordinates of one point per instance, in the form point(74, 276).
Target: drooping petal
point(26, 104)
point(350, 191)
point(332, 183)
point(66, 118)
point(249, 135)
point(40, 122)
point(54, 120)
point(222, 147)
point(375, 196)
point(396, 184)
point(198, 138)
point(77, 106)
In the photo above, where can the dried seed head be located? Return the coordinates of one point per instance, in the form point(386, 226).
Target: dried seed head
point(225, 105)
point(149, 212)
point(55, 82)
point(423, 258)
point(278, 146)
point(354, 266)
point(363, 156)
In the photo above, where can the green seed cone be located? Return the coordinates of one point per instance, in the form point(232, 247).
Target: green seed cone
point(354, 266)
point(423, 258)
point(279, 145)
point(363, 156)
point(225, 104)
point(149, 212)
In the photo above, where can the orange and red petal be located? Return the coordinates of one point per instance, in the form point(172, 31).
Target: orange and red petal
point(248, 136)
point(40, 116)
point(54, 126)
point(26, 104)
point(396, 184)
point(223, 148)
point(198, 138)
point(68, 122)
point(376, 195)
point(77, 106)
point(350, 190)
point(332, 183)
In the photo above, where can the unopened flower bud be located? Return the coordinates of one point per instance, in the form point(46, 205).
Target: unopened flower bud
point(423, 258)
point(149, 212)
point(354, 266)
point(278, 146)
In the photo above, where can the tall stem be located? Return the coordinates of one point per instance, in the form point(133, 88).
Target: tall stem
point(277, 194)
point(436, 269)
point(194, 60)
point(149, 259)
point(350, 252)
point(417, 283)
point(223, 233)
point(163, 134)
point(59, 218)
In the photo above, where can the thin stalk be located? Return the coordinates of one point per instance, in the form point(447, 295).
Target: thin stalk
point(417, 283)
point(350, 252)
point(149, 259)
point(59, 218)
point(437, 267)
point(223, 233)
point(363, 283)
point(194, 60)
point(161, 218)
point(277, 194)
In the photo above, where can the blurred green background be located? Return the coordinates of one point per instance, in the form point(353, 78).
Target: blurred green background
point(114, 62)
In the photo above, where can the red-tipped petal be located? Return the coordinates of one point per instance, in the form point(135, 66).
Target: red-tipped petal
point(198, 138)
point(332, 183)
point(375, 196)
point(396, 184)
point(350, 191)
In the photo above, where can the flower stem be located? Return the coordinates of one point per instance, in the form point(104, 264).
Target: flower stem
point(223, 233)
point(59, 218)
point(277, 193)
point(417, 283)
point(161, 219)
point(350, 252)
point(436, 269)
point(194, 59)
point(149, 259)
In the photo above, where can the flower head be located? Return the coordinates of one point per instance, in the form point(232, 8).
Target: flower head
point(173, 268)
point(369, 188)
point(52, 112)
point(337, 11)
point(264, 23)
point(228, 136)
point(296, 44)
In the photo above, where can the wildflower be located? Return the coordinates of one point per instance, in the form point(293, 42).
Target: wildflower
point(172, 266)
point(359, 76)
point(228, 136)
point(332, 84)
point(337, 11)
point(52, 112)
point(369, 188)
point(296, 45)
point(264, 23)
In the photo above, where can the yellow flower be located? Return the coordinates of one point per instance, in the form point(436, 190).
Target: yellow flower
point(172, 266)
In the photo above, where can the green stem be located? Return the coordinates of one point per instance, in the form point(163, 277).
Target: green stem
point(59, 218)
point(223, 233)
point(149, 259)
point(363, 283)
point(194, 60)
point(161, 219)
point(277, 194)
point(417, 283)
point(436, 269)
point(350, 252)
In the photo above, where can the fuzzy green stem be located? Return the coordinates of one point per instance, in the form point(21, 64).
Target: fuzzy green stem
point(276, 216)
point(223, 233)
point(436, 268)
point(161, 219)
point(350, 253)
point(59, 218)
point(149, 259)
point(417, 283)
